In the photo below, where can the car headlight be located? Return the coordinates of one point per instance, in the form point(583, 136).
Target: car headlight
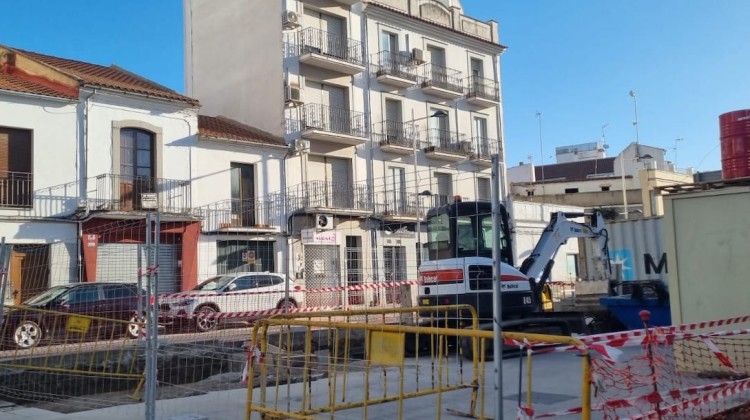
point(184, 302)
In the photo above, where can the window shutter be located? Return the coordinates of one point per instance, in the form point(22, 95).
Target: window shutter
point(4, 155)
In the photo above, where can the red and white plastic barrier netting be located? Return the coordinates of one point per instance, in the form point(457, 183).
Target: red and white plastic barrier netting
point(699, 370)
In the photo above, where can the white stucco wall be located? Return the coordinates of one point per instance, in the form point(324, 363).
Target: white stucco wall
point(53, 123)
point(177, 123)
point(212, 160)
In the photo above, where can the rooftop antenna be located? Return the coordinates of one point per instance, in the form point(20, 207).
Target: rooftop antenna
point(679, 139)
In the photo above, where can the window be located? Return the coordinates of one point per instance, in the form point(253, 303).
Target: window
point(484, 189)
point(263, 281)
point(477, 68)
point(16, 181)
point(118, 291)
point(571, 190)
point(482, 142)
point(396, 190)
point(605, 188)
point(84, 294)
point(136, 153)
point(444, 192)
point(394, 129)
point(136, 166)
point(389, 42)
point(244, 283)
point(439, 129)
point(243, 194)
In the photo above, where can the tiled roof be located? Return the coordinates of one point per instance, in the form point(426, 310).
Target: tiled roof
point(575, 171)
point(14, 83)
point(111, 77)
point(226, 128)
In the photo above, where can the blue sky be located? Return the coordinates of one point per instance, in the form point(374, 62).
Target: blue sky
point(573, 61)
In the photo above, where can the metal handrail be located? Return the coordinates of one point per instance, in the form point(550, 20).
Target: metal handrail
point(317, 41)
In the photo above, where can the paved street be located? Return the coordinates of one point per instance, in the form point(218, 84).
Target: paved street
point(556, 386)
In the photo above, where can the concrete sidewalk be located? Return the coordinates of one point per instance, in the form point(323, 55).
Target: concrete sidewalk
point(557, 385)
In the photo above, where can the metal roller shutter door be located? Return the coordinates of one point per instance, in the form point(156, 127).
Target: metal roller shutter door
point(119, 263)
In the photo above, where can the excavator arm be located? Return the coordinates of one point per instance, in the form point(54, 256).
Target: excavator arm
point(538, 264)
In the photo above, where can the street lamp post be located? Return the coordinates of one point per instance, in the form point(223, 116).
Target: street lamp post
point(635, 124)
point(417, 195)
point(624, 191)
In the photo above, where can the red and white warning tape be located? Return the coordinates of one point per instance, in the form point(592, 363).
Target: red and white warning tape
point(354, 287)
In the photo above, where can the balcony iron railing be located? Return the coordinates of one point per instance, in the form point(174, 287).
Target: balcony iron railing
point(447, 141)
point(481, 87)
point(483, 148)
point(237, 213)
point(442, 77)
point(123, 193)
point(334, 120)
point(396, 64)
point(331, 195)
point(395, 133)
point(316, 41)
point(399, 203)
point(16, 189)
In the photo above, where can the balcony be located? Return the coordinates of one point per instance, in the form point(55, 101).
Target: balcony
point(398, 205)
point(123, 193)
point(395, 69)
point(235, 215)
point(482, 151)
point(441, 81)
point(328, 196)
point(482, 92)
point(395, 137)
point(16, 190)
point(336, 125)
point(330, 51)
point(446, 145)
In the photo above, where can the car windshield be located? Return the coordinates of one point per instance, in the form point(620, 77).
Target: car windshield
point(48, 296)
point(214, 283)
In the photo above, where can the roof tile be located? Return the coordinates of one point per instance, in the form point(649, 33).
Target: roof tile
point(14, 83)
point(112, 77)
point(227, 128)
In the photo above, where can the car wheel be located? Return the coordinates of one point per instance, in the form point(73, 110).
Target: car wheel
point(134, 326)
point(284, 304)
point(205, 318)
point(28, 334)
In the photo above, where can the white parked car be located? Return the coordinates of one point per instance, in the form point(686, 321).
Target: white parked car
point(229, 298)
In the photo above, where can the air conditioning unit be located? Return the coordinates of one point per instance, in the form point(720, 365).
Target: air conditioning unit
point(417, 55)
point(301, 145)
point(290, 20)
point(324, 221)
point(292, 96)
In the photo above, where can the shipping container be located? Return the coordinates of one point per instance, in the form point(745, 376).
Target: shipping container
point(637, 251)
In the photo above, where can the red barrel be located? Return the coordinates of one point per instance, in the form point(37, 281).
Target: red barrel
point(734, 130)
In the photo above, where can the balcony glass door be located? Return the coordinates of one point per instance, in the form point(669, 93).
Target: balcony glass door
point(482, 140)
point(396, 188)
point(243, 195)
point(136, 167)
point(393, 122)
point(439, 132)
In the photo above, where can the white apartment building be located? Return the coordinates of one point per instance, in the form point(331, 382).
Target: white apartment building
point(389, 107)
